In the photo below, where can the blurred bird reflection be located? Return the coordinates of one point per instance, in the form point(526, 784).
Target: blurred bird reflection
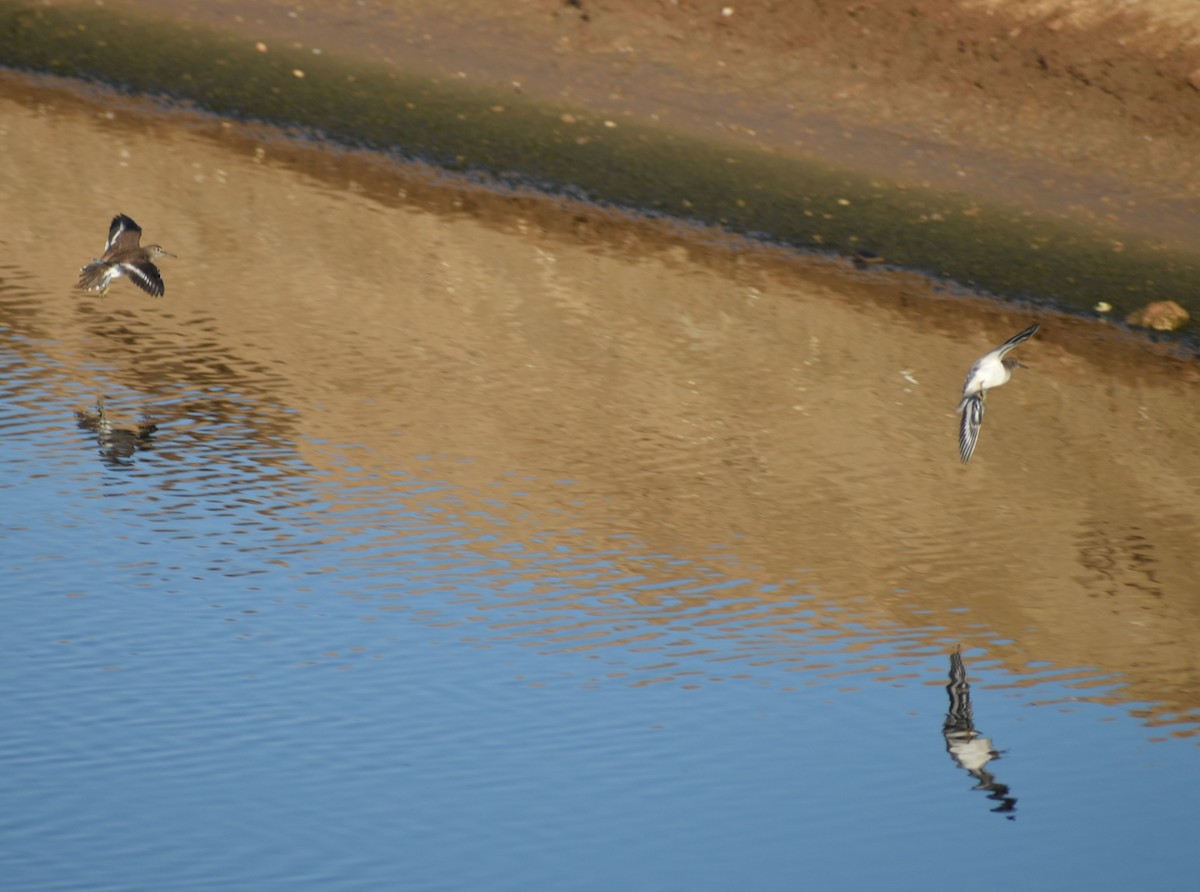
point(969, 749)
point(117, 444)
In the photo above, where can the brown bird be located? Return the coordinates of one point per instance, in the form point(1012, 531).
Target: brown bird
point(124, 256)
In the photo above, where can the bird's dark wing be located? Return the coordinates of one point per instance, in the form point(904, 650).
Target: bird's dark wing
point(968, 431)
point(146, 276)
point(1019, 338)
point(123, 233)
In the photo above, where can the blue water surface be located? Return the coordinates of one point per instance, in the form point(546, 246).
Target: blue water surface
point(199, 695)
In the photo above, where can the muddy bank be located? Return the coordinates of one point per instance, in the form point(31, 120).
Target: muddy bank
point(1046, 155)
point(1112, 87)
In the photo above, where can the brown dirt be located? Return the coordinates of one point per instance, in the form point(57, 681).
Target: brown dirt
point(1059, 104)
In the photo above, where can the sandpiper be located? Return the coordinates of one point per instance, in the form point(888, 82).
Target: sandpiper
point(990, 371)
point(124, 256)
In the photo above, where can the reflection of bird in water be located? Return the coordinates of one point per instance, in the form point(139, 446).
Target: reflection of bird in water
point(966, 746)
point(117, 444)
point(990, 371)
point(124, 256)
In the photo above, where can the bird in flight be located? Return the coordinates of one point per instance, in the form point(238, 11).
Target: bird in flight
point(990, 371)
point(124, 256)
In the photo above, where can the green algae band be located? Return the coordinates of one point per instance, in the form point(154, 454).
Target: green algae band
point(457, 126)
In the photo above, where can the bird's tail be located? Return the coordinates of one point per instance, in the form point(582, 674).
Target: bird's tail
point(968, 431)
point(91, 277)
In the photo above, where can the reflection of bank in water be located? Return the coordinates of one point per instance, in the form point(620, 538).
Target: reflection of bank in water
point(117, 444)
point(966, 746)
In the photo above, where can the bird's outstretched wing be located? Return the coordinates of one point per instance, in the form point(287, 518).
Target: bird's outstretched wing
point(123, 233)
point(146, 276)
point(1019, 338)
point(968, 431)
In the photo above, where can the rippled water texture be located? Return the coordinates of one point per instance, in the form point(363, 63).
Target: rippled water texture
point(438, 539)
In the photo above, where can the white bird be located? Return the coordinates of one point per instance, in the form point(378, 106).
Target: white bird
point(990, 371)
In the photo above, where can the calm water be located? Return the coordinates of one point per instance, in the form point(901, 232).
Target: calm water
point(486, 544)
